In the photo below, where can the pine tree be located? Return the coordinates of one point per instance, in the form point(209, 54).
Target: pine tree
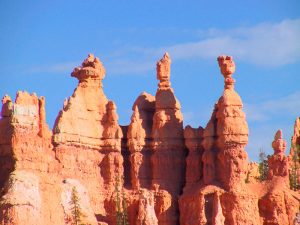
point(75, 207)
point(263, 165)
point(118, 203)
point(125, 216)
point(121, 209)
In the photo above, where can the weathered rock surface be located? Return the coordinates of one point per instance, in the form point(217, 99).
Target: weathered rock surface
point(194, 166)
point(88, 216)
point(279, 163)
point(168, 159)
point(170, 175)
point(295, 149)
point(87, 139)
point(21, 203)
point(87, 114)
point(228, 191)
point(296, 136)
point(253, 172)
point(278, 206)
point(146, 213)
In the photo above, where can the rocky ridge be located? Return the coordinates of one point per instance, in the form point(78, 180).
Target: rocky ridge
point(171, 174)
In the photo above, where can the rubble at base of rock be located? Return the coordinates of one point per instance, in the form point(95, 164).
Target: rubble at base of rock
point(171, 174)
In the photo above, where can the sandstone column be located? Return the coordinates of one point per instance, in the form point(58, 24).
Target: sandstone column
point(232, 132)
point(168, 160)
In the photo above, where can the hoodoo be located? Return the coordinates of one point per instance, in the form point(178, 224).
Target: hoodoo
point(151, 172)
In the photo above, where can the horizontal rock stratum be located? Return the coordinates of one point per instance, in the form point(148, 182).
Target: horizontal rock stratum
point(156, 170)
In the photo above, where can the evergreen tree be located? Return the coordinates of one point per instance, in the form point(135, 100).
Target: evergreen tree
point(125, 216)
point(75, 208)
point(118, 203)
point(121, 208)
point(263, 165)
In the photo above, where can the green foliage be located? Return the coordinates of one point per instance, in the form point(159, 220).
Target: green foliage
point(75, 208)
point(293, 176)
point(121, 206)
point(125, 216)
point(263, 165)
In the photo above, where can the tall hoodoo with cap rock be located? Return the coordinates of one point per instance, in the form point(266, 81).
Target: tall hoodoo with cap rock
point(167, 174)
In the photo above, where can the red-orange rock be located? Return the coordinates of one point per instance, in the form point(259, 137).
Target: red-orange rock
point(146, 213)
point(295, 147)
point(163, 71)
point(253, 172)
point(87, 216)
point(112, 132)
point(136, 141)
point(194, 167)
point(229, 192)
point(27, 152)
point(278, 206)
point(210, 150)
point(169, 175)
point(201, 205)
point(22, 202)
point(232, 131)
point(279, 163)
point(83, 118)
point(6, 106)
point(168, 159)
point(139, 141)
point(296, 136)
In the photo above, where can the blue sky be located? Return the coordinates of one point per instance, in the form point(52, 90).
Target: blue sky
point(42, 41)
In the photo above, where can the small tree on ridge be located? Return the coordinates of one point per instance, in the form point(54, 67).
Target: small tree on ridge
point(75, 208)
point(263, 165)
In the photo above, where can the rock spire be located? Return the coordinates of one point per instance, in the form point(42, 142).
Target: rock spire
point(154, 170)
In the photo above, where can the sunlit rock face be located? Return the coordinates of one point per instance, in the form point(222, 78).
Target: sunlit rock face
point(159, 172)
point(227, 191)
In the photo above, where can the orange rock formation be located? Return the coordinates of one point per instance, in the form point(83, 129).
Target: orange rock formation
point(296, 136)
point(171, 175)
point(295, 149)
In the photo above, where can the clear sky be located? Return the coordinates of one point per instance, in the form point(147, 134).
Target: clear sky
point(42, 41)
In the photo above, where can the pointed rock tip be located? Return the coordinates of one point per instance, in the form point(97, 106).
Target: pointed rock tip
point(146, 95)
point(91, 60)
point(90, 55)
point(165, 59)
point(224, 57)
point(278, 135)
point(6, 98)
point(90, 67)
point(144, 101)
point(111, 105)
point(136, 112)
point(166, 55)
